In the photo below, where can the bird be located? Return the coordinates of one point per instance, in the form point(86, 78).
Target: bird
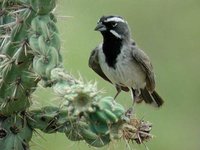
point(118, 60)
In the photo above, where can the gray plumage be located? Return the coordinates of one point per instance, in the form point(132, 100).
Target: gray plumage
point(119, 61)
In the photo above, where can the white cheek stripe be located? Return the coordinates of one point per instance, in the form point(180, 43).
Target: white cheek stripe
point(115, 34)
point(115, 19)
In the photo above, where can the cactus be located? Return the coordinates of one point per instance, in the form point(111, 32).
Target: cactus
point(30, 53)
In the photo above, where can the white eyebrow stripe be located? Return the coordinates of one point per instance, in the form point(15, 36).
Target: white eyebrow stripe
point(115, 19)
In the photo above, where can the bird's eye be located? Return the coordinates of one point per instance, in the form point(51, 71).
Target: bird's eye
point(114, 24)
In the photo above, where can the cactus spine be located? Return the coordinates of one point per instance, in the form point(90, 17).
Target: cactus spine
point(29, 53)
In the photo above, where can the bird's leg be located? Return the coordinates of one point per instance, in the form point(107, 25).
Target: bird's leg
point(135, 94)
point(118, 91)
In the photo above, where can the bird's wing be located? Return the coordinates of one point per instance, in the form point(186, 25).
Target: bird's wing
point(94, 64)
point(143, 60)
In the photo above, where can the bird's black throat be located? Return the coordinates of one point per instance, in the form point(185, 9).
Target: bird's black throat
point(111, 48)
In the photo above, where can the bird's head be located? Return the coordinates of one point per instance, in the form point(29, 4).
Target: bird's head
point(114, 26)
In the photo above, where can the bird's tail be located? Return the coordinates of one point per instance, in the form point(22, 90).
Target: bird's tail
point(151, 98)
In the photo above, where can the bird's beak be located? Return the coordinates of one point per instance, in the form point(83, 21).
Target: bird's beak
point(100, 27)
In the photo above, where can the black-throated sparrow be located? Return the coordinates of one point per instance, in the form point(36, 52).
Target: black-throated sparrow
point(119, 61)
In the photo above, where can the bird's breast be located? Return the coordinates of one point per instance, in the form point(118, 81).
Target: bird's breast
point(126, 72)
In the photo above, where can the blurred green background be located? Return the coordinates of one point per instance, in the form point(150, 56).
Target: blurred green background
point(169, 32)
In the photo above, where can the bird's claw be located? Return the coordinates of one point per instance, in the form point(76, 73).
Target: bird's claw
point(129, 112)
